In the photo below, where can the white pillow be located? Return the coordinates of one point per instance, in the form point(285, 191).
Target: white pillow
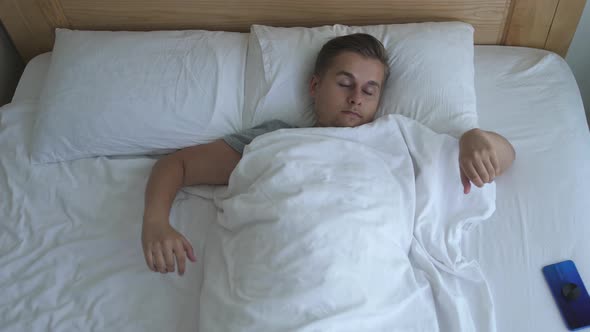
point(432, 73)
point(32, 80)
point(128, 93)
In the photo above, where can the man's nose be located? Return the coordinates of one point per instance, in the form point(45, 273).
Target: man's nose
point(355, 97)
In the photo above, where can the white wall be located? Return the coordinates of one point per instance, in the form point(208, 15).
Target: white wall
point(578, 57)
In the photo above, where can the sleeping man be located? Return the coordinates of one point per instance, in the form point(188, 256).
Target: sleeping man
point(346, 87)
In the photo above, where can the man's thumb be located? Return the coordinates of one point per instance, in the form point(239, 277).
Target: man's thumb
point(189, 249)
point(466, 183)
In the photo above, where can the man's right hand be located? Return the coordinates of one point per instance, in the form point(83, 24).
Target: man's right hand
point(210, 164)
point(162, 244)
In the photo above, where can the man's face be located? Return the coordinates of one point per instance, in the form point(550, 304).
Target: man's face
point(348, 93)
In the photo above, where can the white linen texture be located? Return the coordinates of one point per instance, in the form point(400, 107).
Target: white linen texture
point(346, 229)
point(69, 222)
point(431, 78)
point(132, 93)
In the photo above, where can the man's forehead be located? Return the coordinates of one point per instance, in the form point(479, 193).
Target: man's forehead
point(360, 66)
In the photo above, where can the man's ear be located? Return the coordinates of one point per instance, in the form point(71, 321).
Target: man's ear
point(313, 85)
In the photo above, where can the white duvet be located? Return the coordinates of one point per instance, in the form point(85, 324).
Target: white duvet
point(346, 229)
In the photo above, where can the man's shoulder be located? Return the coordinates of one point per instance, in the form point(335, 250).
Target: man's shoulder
point(240, 139)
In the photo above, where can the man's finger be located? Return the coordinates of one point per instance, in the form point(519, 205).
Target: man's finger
point(472, 175)
point(149, 259)
point(495, 163)
point(466, 182)
point(169, 256)
point(490, 168)
point(189, 249)
point(180, 257)
point(481, 170)
point(159, 257)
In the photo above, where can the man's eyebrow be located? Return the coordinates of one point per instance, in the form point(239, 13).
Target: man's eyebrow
point(373, 83)
point(345, 73)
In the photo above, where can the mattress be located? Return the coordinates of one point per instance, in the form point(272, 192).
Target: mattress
point(70, 247)
point(531, 97)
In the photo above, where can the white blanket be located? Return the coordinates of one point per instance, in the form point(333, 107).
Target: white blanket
point(346, 229)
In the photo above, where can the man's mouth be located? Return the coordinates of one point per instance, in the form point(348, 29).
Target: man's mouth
point(351, 112)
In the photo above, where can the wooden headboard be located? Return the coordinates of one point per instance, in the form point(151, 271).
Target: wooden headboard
point(548, 24)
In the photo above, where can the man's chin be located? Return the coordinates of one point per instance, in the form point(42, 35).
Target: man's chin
point(340, 123)
point(348, 122)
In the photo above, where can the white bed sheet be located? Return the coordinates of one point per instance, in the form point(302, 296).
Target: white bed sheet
point(70, 252)
point(543, 211)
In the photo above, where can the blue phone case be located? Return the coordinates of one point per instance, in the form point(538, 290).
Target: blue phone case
point(569, 293)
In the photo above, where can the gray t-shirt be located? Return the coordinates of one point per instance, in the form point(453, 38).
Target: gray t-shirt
point(238, 141)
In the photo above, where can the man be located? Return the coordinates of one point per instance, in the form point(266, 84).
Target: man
point(346, 87)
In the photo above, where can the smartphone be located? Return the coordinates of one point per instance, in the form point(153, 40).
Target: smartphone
point(569, 293)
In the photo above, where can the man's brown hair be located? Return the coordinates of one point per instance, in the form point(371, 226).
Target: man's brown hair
point(360, 43)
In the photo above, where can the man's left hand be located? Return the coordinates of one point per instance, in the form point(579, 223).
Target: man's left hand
point(478, 159)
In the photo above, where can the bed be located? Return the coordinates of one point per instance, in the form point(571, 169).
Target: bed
point(70, 234)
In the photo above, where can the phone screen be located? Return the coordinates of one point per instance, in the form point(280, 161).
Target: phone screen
point(569, 293)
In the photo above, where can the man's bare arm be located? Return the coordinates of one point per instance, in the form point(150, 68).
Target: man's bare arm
point(203, 164)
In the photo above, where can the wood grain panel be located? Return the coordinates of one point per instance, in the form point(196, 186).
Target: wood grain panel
point(31, 23)
point(530, 22)
point(564, 25)
point(54, 13)
point(28, 27)
point(237, 15)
